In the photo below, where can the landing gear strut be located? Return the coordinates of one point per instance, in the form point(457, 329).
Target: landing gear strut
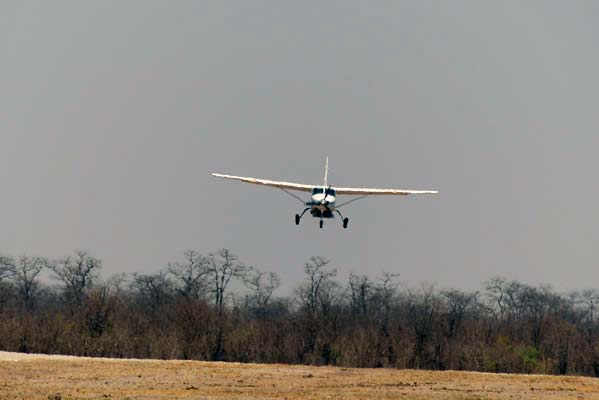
point(299, 216)
point(345, 220)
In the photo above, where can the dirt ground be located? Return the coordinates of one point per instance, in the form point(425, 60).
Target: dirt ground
point(59, 377)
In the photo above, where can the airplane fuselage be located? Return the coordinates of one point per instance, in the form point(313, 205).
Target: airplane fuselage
point(322, 202)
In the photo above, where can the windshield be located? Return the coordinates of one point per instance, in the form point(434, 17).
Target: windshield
point(330, 192)
point(317, 191)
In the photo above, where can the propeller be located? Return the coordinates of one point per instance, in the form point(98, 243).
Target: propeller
point(324, 200)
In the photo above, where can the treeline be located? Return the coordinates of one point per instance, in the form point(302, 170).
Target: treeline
point(189, 310)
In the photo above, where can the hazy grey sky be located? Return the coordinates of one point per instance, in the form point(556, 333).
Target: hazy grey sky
point(113, 114)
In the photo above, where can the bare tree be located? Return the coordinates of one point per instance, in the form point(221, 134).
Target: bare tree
point(385, 294)
point(318, 278)
point(422, 310)
point(457, 303)
point(386, 290)
point(589, 299)
point(191, 274)
point(101, 302)
point(360, 291)
point(7, 265)
point(262, 285)
point(222, 267)
point(24, 274)
point(6, 270)
point(154, 290)
point(77, 274)
point(500, 294)
point(538, 305)
point(505, 303)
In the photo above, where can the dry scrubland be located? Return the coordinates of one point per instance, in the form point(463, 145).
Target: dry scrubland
point(53, 377)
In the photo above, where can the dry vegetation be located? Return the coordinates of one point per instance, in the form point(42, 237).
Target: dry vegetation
point(215, 308)
point(44, 377)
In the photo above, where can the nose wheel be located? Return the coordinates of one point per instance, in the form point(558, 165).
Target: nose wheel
point(321, 223)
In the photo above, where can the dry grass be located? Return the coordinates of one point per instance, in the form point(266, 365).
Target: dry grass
point(43, 377)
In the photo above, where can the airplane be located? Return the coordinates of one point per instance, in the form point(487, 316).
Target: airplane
point(323, 200)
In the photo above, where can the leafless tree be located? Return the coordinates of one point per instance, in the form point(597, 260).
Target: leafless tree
point(191, 274)
point(589, 299)
point(457, 303)
point(509, 301)
point(318, 278)
point(518, 302)
point(101, 302)
point(386, 290)
point(24, 274)
point(262, 285)
point(385, 295)
point(502, 296)
point(77, 274)
point(7, 265)
point(423, 307)
point(361, 290)
point(6, 270)
point(154, 290)
point(222, 267)
point(538, 304)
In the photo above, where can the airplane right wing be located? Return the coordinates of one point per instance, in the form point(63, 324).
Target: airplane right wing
point(370, 191)
point(266, 182)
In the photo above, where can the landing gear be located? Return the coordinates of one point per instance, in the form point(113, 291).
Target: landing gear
point(345, 220)
point(317, 213)
point(298, 217)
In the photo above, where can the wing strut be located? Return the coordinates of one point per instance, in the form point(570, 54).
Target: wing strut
point(292, 195)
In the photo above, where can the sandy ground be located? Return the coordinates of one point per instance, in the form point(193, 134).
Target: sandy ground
point(24, 376)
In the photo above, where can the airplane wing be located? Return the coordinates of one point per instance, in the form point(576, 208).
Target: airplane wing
point(369, 191)
point(266, 182)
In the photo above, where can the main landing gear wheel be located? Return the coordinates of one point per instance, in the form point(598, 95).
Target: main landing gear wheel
point(345, 222)
point(297, 219)
point(321, 223)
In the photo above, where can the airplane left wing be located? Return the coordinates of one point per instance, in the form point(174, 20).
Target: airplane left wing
point(266, 182)
point(370, 191)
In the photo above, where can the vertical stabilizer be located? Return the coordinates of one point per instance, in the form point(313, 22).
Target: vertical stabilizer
point(326, 171)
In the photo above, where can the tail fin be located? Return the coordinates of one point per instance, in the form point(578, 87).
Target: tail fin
point(326, 171)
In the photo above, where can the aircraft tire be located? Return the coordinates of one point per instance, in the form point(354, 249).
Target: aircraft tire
point(297, 219)
point(321, 224)
point(345, 222)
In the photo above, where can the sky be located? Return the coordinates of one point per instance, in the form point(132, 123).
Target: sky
point(113, 114)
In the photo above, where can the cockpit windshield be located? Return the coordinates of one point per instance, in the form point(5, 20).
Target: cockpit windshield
point(327, 191)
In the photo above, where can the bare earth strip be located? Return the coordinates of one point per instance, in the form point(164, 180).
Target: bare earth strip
point(48, 377)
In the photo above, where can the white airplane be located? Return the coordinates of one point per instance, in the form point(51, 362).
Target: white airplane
point(322, 203)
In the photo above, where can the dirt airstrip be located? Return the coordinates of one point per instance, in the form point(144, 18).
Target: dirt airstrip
point(58, 377)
